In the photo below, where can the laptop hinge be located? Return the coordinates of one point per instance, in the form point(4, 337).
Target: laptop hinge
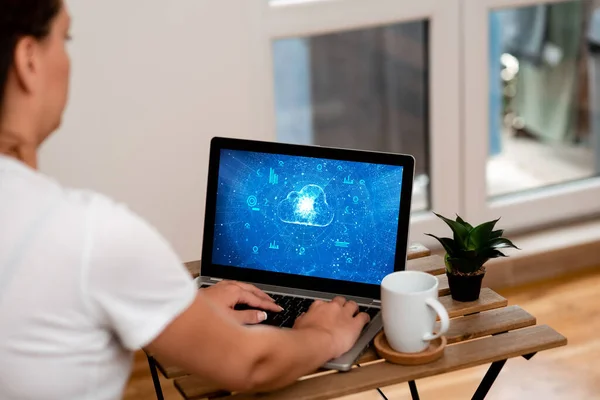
point(377, 302)
point(215, 279)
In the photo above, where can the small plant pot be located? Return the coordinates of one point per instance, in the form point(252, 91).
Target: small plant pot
point(465, 287)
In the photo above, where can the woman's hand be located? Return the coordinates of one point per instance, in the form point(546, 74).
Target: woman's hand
point(339, 318)
point(228, 294)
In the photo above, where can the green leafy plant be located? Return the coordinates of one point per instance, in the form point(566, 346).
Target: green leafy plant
point(471, 247)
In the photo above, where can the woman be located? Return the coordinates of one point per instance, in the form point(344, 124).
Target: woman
point(84, 282)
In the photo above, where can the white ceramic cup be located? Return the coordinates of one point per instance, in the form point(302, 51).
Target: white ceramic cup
point(409, 305)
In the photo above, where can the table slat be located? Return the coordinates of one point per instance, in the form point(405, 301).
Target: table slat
point(192, 388)
point(488, 300)
point(169, 371)
point(381, 374)
point(488, 323)
point(475, 326)
point(417, 250)
point(432, 264)
point(443, 288)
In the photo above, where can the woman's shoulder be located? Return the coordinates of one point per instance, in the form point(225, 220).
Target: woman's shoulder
point(87, 198)
point(101, 207)
point(34, 190)
point(91, 210)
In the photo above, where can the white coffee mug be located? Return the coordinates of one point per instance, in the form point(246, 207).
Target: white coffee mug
point(409, 305)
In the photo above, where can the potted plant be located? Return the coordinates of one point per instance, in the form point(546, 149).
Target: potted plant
point(467, 252)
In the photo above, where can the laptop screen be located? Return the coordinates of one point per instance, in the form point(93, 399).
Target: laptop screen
point(307, 216)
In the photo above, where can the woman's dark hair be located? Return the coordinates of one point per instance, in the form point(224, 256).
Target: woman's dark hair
point(19, 18)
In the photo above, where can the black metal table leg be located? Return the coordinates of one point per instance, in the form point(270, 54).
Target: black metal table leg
point(155, 380)
point(413, 390)
point(488, 380)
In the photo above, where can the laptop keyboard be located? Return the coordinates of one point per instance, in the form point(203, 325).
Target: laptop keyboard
point(293, 307)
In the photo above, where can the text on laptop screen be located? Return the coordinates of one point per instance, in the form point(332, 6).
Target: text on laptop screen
point(307, 216)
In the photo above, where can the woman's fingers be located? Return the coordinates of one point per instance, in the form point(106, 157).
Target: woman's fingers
point(339, 300)
point(253, 289)
point(250, 317)
point(351, 307)
point(254, 301)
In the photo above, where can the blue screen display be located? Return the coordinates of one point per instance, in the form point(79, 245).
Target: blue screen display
point(307, 216)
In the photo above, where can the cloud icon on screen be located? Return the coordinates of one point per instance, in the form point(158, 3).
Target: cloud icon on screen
point(307, 207)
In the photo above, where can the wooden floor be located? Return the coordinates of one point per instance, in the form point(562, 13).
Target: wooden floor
point(570, 304)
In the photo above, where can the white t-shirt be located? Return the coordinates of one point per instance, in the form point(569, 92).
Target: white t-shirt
point(83, 283)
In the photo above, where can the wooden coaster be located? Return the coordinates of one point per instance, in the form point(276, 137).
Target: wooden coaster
point(434, 352)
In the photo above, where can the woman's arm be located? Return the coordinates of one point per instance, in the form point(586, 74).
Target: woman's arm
point(134, 283)
point(206, 343)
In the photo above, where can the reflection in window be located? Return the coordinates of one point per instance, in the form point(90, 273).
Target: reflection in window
point(363, 89)
point(544, 120)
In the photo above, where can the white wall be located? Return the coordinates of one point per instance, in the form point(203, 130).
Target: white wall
point(152, 82)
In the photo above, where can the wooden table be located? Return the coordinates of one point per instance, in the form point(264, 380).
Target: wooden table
point(486, 331)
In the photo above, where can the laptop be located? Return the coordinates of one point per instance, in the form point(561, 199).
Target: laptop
point(307, 222)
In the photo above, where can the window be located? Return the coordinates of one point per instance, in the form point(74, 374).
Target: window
point(362, 89)
point(542, 92)
point(530, 141)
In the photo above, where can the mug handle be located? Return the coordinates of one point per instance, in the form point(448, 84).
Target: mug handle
point(444, 319)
